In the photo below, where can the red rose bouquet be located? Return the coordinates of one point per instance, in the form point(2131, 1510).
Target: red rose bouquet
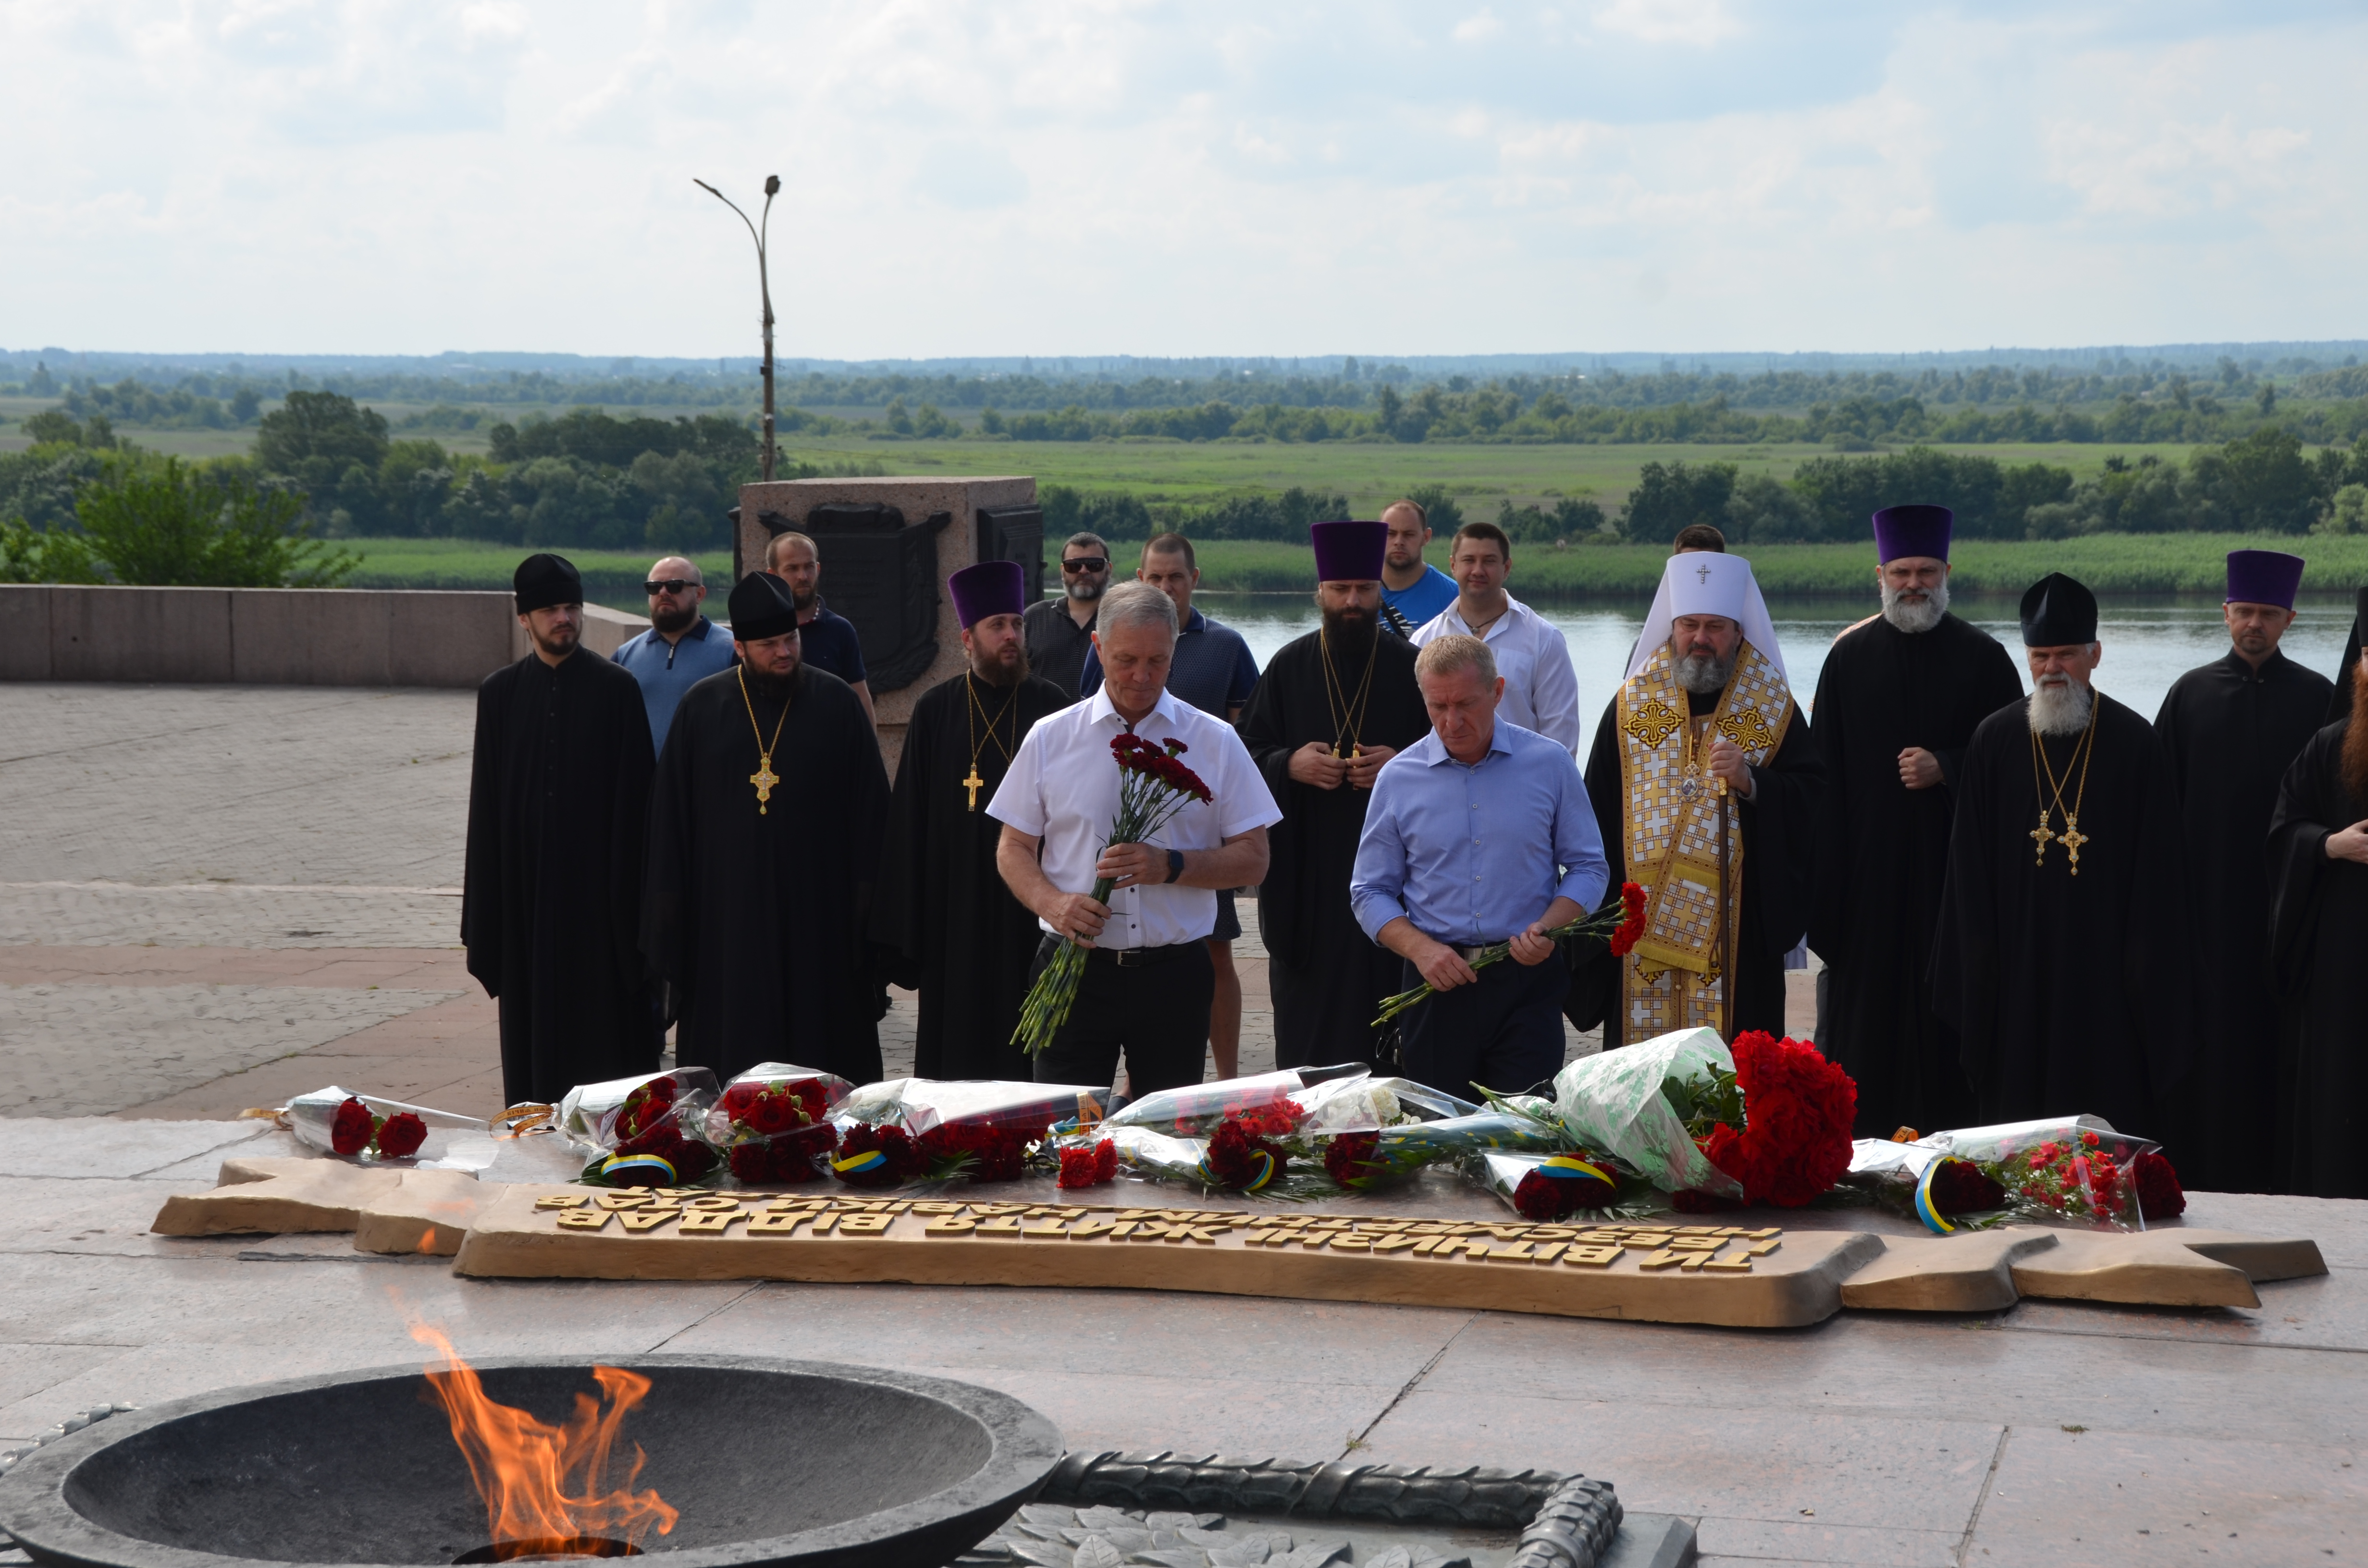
point(772, 1125)
point(356, 1130)
point(1619, 921)
point(1153, 787)
point(877, 1156)
point(362, 1127)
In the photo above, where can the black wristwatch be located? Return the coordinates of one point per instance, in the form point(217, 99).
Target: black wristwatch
point(1175, 864)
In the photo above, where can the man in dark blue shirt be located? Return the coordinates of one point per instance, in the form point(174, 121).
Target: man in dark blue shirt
point(826, 640)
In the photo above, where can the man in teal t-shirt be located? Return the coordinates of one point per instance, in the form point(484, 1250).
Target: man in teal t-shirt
point(1416, 590)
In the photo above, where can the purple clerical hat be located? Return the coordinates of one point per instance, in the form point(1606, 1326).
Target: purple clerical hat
point(1349, 551)
point(2263, 577)
point(1912, 530)
point(991, 588)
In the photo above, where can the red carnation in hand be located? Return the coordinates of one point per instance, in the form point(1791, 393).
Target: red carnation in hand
point(399, 1135)
point(351, 1132)
point(1798, 1109)
point(2160, 1196)
point(1631, 924)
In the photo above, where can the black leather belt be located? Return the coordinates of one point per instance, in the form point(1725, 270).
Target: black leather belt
point(1143, 958)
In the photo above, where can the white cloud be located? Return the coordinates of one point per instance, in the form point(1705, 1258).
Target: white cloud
point(1157, 178)
point(1478, 27)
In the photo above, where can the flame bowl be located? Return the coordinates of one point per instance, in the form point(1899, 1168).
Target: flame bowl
point(787, 1463)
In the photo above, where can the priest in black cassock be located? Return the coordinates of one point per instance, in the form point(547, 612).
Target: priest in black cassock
point(951, 929)
point(2318, 884)
point(763, 835)
point(1331, 708)
point(2065, 939)
point(2338, 701)
point(1705, 783)
point(2231, 730)
point(1897, 701)
point(550, 899)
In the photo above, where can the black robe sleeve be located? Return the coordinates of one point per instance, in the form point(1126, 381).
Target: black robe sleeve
point(669, 922)
point(1594, 972)
point(902, 892)
point(2299, 830)
point(481, 880)
point(1780, 832)
point(2339, 706)
point(1264, 730)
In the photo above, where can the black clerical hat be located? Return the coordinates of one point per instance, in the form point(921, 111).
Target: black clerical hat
point(543, 581)
point(2058, 612)
point(762, 608)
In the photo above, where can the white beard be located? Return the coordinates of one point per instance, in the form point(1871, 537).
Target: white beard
point(2060, 710)
point(1913, 617)
point(1702, 674)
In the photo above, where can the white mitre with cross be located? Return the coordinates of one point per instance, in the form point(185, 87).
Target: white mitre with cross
point(1705, 582)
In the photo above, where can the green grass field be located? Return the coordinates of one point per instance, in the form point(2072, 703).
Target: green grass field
point(2124, 564)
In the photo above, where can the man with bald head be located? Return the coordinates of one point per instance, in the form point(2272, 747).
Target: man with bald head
point(681, 648)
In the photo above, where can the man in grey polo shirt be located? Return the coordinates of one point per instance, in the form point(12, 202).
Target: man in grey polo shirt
point(681, 648)
point(1214, 672)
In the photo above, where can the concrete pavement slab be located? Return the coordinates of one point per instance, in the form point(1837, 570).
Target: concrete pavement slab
point(98, 1146)
point(2143, 1499)
point(1759, 1542)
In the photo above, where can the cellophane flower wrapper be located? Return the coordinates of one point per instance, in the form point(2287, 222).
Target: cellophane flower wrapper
point(1611, 1103)
point(1504, 1171)
point(1155, 1156)
point(771, 1124)
point(587, 1112)
point(2067, 1170)
point(919, 1105)
point(1194, 1110)
point(455, 1142)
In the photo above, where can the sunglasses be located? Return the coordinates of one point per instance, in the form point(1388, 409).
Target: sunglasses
point(670, 585)
point(1085, 563)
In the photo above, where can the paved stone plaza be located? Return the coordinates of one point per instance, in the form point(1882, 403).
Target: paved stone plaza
point(211, 898)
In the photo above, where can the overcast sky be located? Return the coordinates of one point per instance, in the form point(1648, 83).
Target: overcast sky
point(415, 175)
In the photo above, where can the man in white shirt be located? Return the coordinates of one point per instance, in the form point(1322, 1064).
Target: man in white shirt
point(1148, 981)
point(1540, 691)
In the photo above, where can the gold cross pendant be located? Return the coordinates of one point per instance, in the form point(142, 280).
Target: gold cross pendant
point(764, 778)
point(974, 784)
point(2040, 838)
point(2072, 838)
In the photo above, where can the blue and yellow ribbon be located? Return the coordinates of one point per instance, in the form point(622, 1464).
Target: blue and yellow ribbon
point(1926, 1209)
point(621, 1166)
point(1570, 1167)
point(857, 1165)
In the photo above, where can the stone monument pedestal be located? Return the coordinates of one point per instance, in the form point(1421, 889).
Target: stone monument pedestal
point(887, 546)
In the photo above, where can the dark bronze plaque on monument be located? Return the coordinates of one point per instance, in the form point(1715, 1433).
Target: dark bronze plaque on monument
point(1014, 533)
point(882, 574)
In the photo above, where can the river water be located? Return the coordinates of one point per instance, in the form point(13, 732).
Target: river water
point(2147, 643)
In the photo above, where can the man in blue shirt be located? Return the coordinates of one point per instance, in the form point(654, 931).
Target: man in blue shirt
point(1478, 833)
point(681, 648)
point(1415, 589)
point(826, 639)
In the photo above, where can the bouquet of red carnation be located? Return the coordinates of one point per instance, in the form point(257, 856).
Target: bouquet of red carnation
point(2160, 1196)
point(1089, 1164)
point(1619, 921)
point(1242, 1160)
point(1195, 1109)
point(982, 1152)
point(2057, 1170)
point(1153, 787)
point(1796, 1107)
point(1548, 1187)
point(877, 1156)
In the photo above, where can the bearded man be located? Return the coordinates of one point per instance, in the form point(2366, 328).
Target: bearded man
point(2231, 730)
point(1330, 710)
point(1897, 702)
point(957, 934)
point(2063, 947)
point(1705, 782)
point(550, 899)
point(764, 838)
point(2318, 879)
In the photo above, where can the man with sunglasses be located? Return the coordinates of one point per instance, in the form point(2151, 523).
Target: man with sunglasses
point(681, 648)
point(1061, 632)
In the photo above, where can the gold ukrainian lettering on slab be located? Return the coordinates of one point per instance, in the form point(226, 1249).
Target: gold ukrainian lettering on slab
point(639, 1221)
point(584, 1219)
point(561, 1201)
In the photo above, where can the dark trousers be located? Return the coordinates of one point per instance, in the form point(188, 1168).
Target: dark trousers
point(1504, 1032)
point(1157, 1013)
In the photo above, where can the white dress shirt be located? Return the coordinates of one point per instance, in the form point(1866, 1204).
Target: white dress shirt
point(1063, 788)
point(1540, 688)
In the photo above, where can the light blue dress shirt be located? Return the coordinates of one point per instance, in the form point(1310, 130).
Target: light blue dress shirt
point(666, 669)
point(1472, 855)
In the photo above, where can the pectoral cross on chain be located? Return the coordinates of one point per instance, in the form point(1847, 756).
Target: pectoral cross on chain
point(2072, 838)
point(2040, 838)
point(974, 784)
point(764, 778)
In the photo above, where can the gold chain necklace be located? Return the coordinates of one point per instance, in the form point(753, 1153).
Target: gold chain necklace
point(764, 777)
point(971, 715)
point(1348, 718)
point(2083, 752)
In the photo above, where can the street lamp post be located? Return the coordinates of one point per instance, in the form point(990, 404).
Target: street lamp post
point(758, 231)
